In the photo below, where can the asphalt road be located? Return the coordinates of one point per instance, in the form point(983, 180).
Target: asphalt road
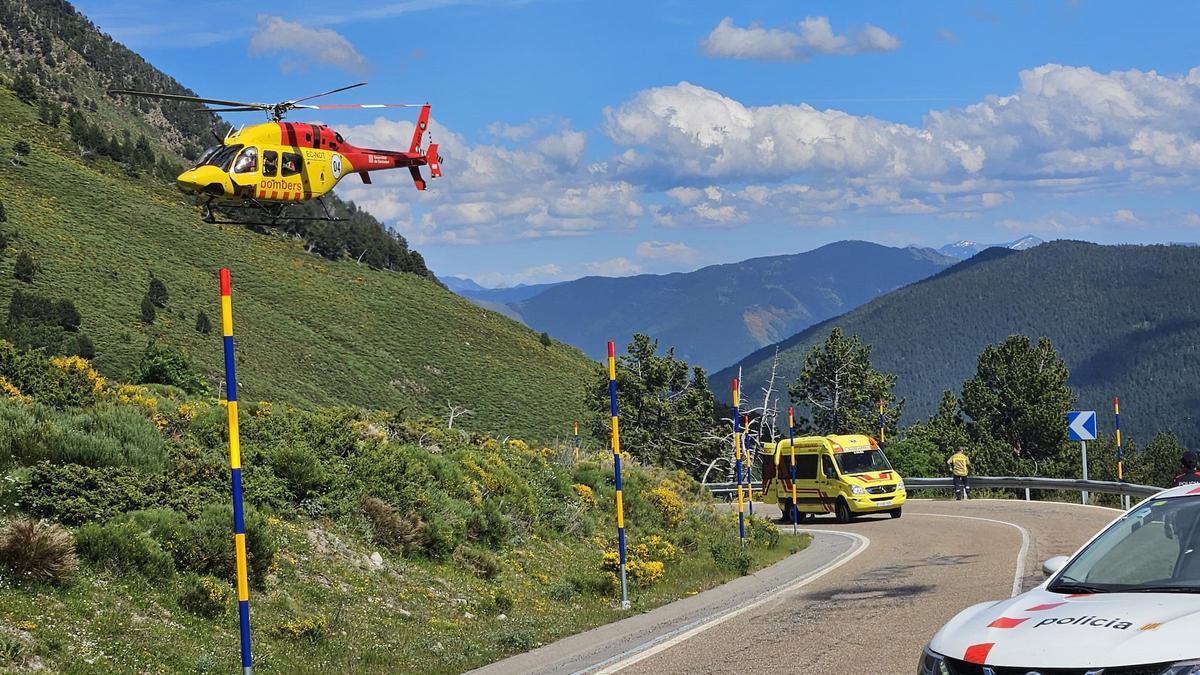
point(862, 599)
point(873, 614)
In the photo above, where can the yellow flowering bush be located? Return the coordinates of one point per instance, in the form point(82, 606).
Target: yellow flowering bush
point(669, 504)
point(645, 572)
point(313, 628)
point(78, 367)
point(587, 497)
point(518, 445)
point(10, 390)
point(659, 548)
point(133, 395)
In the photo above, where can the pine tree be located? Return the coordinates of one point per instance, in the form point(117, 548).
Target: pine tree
point(24, 88)
point(157, 292)
point(842, 390)
point(544, 338)
point(667, 410)
point(1019, 395)
point(148, 312)
point(25, 268)
point(203, 325)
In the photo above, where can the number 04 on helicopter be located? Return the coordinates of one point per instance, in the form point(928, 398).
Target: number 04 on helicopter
point(266, 167)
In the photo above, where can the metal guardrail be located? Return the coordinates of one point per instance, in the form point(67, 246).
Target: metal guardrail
point(1027, 483)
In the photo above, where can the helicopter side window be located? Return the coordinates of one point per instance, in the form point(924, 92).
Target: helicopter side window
point(247, 162)
point(291, 164)
point(270, 163)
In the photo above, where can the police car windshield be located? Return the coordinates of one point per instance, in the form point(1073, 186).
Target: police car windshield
point(1153, 549)
point(862, 462)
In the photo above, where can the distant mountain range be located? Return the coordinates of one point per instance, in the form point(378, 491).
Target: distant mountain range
point(1124, 318)
point(717, 314)
point(965, 249)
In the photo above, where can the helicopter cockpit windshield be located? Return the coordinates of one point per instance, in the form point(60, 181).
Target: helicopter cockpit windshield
point(219, 156)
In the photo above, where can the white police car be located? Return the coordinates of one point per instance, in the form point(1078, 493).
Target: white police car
point(1128, 603)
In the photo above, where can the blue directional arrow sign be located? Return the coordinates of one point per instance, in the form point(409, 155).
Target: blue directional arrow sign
point(1081, 425)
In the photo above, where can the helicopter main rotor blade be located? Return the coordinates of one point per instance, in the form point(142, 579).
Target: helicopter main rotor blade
point(190, 99)
point(331, 91)
point(245, 108)
point(348, 106)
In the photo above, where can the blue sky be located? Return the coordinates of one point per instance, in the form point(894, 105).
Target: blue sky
point(621, 137)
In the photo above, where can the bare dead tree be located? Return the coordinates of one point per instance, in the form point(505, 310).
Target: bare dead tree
point(454, 412)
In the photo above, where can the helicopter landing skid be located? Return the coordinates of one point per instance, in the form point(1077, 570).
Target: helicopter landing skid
point(210, 213)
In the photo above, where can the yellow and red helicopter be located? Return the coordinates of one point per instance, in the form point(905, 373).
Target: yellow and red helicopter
point(267, 167)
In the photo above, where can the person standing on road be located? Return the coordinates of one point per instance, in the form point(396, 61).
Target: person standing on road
point(960, 468)
point(1189, 462)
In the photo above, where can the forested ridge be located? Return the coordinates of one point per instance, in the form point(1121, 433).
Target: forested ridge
point(1125, 319)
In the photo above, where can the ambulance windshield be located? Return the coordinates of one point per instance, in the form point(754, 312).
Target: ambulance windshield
point(862, 461)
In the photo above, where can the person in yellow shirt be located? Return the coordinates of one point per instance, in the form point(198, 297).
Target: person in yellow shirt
point(960, 468)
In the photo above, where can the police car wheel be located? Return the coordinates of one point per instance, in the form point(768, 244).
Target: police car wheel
point(895, 513)
point(842, 511)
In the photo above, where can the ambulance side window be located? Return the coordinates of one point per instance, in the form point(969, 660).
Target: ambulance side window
point(270, 163)
point(806, 467)
point(827, 466)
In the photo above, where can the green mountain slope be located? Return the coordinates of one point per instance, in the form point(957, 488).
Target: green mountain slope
point(310, 331)
point(719, 313)
point(1126, 319)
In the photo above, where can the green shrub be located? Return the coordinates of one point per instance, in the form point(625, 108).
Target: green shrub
point(124, 548)
point(101, 436)
point(481, 563)
point(163, 364)
point(489, 526)
point(728, 553)
point(75, 494)
point(761, 532)
point(33, 550)
point(205, 596)
point(301, 470)
point(205, 545)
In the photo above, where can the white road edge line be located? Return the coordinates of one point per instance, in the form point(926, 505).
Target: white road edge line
point(1020, 571)
point(652, 647)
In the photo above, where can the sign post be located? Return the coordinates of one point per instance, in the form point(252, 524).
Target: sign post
point(1081, 426)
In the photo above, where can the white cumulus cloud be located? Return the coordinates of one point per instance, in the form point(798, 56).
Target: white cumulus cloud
point(302, 46)
point(667, 250)
point(812, 36)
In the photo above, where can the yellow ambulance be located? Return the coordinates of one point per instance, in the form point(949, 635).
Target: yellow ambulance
point(847, 476)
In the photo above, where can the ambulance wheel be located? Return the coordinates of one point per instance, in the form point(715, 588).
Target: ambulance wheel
point(786, 507)
point(895, 513)
point(841, 511)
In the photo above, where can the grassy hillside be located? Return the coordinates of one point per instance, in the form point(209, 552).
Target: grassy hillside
point(310, 331)
point(719, 313)
point(377, 543)
point(1124, 318)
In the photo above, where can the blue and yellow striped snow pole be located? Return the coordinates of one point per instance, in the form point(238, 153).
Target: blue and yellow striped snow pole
point(749, 465)
point(576, 440)
point(881, 426)
point(235, 465)
point(792, 444)
point(616, 446)
point(737, 455)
